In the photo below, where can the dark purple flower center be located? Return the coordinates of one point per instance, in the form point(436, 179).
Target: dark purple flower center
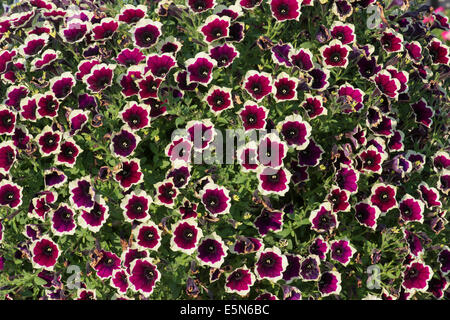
point(237, 275)
point(124, 142)
point(148, 38)
point(338, 251)
point(199, 5)
point(251, 118)
point(212, 201)
point(335, 57)
point(369, 161)
point(335, 198)
point(49, 141)
point(256, 88)
point(109, 262)
point(387, 43)
point(9, 196)
point(9, 157)
point(66, 216)
point(274, 177)
point(168, 192)
point(108, 33)
point(148, 273)
point(135, 119)
point(102, 81)
point(283, 9)
point(7, 120)
point(407, 211)
point(223, 60)
point(291, 132)
point(162, 71)
point(179, 178)
point(149, 235)
point(413, 273)
point(188, 234)
point(203, 72)
point(384, 196)
point(211, 248)
point(340, 35)
point(48, 251)
point(68, 151)
point(218, 100)
point(126, 172)
point(284, 89)
point(268, 262)
point(96, 211)
point(138, 207)
point(216, 32)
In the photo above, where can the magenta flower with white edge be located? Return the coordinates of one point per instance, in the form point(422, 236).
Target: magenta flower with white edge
point(388, 85)
point(47, 57)
point(199, 69)
point(179, 149)
point(48, 141)
point(329, 283)
point(128, 57)
point(77, 119)
point(270, 265)
point(93, 219)
point(441, 161)
point(283, 10)
point(10, 194)
point(160, 65)
point(271, 150)
point(371, 160)
point(136, 116)
point(295, 131)
point(63, 220)
point(258, 84)
point(383, 196)
point(144, 275)
point(350, 98)
point(240, 281)
point(443, 182)
point(129, 81)
point(108, 262)
point(423, 112)
point(169, 45)
point(216, 199)
point(301, 58)
point(273, 181)
point(136, 206)
point(146, 33)
point(215, 28)
point(285, 88)
point(44, 253)
point(82, 193)
point(185, 236)
point(47, 105)
point(105, 29)
point(130, 14)
point(342, 251)
point(439, 52)
point(366, 214)
point(247, 156)
point(119, 280)
point(166, 193)
point(324, 219)
point(199, 6)
point(253, 116)
point(249, 4)
point(68, 153)
point(414, 50)
point(411, 209)
point(147, 236)
point(391, 41)
point(8, 155)
point(429, 195)
point(75, 31)
point(211, 251)
point(100, 77)
point(401, 76)
point(33, 45)
point(201, 133)
point(181, 174)
point(416, 276)
point(124, 142)
point(219, 99)
point(335, 54)
point(86, 294)
point(62, 86)
point(339, 199)
point(224, 54)
point(344, 32)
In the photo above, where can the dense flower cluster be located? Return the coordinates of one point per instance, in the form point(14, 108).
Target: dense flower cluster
point(106, 111)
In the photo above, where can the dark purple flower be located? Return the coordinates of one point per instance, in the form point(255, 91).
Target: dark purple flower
point(323, 219)
point(429, 195)
point(301, 59)
point(160, 65)
point(48, 141)
point(335, 54)
point(284, 88)
point(270, 264)
point(368, 67)
point(439, 52)
point(10, 194)
point(347, 178)
point(329, 283)
point(7, 156)
point(143, 276)
point(86, 102)
point(130, 14)
point(180, 173)
point(423, 112)
point(75, 31)
point(319, 79)
point(444, 260)
point(280, 54)
point(199, 6)
point(411, 209)
point(166, 193)
point(387, 84)
point(311, 155)
point(309, 269)
point(119, 280)
point(130, 174)
point(341, 251)
point(319, 247)
point(185, 236)
point(391, 41)
point(350, 98)
point(63, 222)
point(100, 77)
point(273, 181)
point(188, 210)
point(216, 199)
point(437, 286)
point(219, 99)
point(47, 105)
point(414, 244)
point(124, 143)
point(240, 281)
point(82, 193)
point(68, 153)
point(343, 32)
point(211, 251)
point(34, 44)
point(236, 32)
point(244, 245)
point(366, 214)
point(292, 271)
point(269, 221)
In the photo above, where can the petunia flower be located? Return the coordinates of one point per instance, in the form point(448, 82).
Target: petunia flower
point(319, 247)
point(166, 193)
point(48, 141)
point(270, 264)
point(63, 220)
point(224, 54)
point(10, 194)
point(273, 181)
point(310, 268)
point(185, 236)
point(219, 99)
point(144, 275)
point(124, 142)
point(323, 219)
point(342, 251)
point(93, 219)
point(215, 28)
point(130, 173)
point(82, 193)
point(283, 10)
point(292, 271)
point(383, 196)
point(329, 283)
point(211, 251)
point(136, 206)
point(147, 236)
point(199, 69)
point(253, 116)
point(258, 85)
point(44, 253)
point(335, 54)
point(416, 276)
point(107, 264)
point(269, 221)
point(240, 281)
